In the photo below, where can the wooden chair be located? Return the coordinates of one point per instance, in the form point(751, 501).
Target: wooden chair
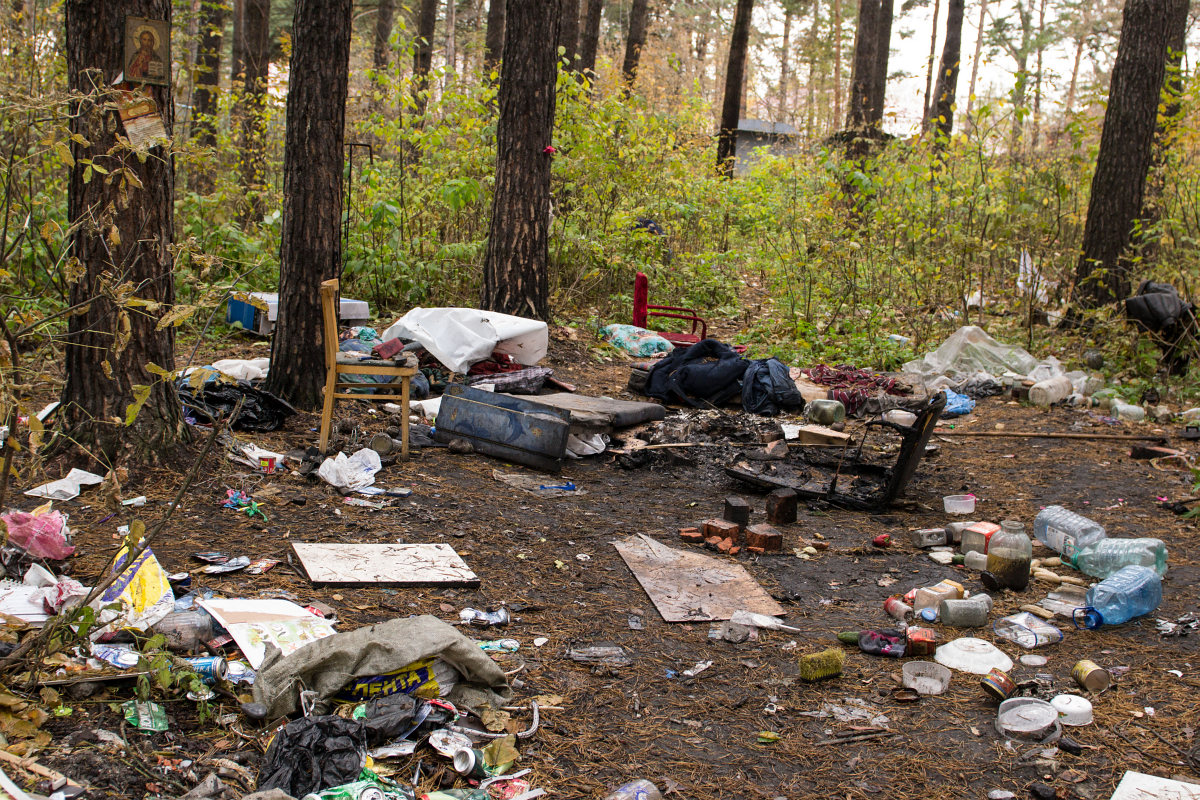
point(335, 388)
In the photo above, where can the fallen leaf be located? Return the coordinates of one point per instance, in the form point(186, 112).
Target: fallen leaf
point(768, 737)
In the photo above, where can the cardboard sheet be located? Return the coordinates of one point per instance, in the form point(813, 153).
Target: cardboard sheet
point(384, 564)
point(254, 624)
point(687, 586)
point(1140, 786)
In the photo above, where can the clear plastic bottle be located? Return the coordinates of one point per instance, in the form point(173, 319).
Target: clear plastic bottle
point(640, 789)
point(1106, 556)
point(1065, 532)
point(931, 596)
point(1123, 410)
point(1129, 592)
point(1009, 555)
point(1050, 391)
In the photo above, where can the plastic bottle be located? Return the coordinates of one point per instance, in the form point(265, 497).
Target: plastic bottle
point(186, 631)
point(1106, 556)
point(1050, 391)
point(975, 560)
point(1129, 592)
point(931, 596)
point(826, 412)
point(1122, 410)
point(1065, 532)
point(1009, 555)
point(640, 789)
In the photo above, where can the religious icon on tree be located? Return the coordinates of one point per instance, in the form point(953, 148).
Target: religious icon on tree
point(147, 51)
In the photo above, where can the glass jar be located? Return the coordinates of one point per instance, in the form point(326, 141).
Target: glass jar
point(1009, 555)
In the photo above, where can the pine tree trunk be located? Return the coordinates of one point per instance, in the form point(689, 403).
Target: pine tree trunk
point(634, 42)
point(837, 62)
point(590, 41)
point(208, 68)
point(493, 44)
point(1069, 103)
point(1165, 131)
point(879, 73)
point(783, 61)
point(926, 115)
point(1037, 85)
point(515, 269)
point(256, 55)
point(735, 73)
point(1126, 144)
point(568, 32)
point(451, 36)
point(423, 54)
point(311, 246)
point(384, 16)
point(978, 51)
point(810, 102)
point(942, 111)
point(124, 236)
point(237, 57)
point(865, 40)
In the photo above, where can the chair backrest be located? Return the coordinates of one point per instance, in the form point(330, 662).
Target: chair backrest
point(912, 448)
point(329, 330)
point(641, 299)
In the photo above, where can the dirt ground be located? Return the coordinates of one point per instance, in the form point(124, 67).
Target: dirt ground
point(552, 561)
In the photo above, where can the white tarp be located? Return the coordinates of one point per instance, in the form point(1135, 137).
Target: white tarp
point(970, 350)
point(459, 337)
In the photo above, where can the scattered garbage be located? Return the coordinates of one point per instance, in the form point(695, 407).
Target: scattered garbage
point(351, 472)
point(43, 533)
point(147, 717)
point(67, 488)
point(1065, 531)
point(1028, 718)
point(1009, 557)
point(1101, 559)
point(640, 789)
point(1129, 592)
point(972, 655)
point(1072, 709)
point(925, 677)
point(313, 754)
point(636, 341)
point(1027, 630)
point(825, 664)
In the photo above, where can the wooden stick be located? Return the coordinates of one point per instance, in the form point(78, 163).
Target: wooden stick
point(857, 738)
point(1121, 437)
point(29, 765)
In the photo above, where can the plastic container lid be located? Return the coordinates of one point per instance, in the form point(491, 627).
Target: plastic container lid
point(959, 503)
point(972, 655)
point(1072, 709)
point(1027, 718)
point(925, 677)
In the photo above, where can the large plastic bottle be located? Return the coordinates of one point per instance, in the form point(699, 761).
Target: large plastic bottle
point(640, 789)
point(1065, 532)
point(1050, 391)
point(1129, 592)
point(1103, 558)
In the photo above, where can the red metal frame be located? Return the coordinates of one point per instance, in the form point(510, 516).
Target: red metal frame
point(642, 310)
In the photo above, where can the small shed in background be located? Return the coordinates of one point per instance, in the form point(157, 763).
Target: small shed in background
point(755, 135)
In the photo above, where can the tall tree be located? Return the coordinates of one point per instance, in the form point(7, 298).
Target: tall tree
point(983, 7)
point(937, 7)
point(634, 42)
point(590, 39)
point(385, 14)
point(942, 110)
point(423, 54)
point(493, 44)
point(568, 31)
point(256, 57)
point(837, 61)
point(237, 60)
point(1126, 143)
point(122, 234)
point(866, 39)
point(810, 104)
point(783, 61)
point(879, 71)
point(451, 36)
point(735, 73)
point(1042, 41)
point(208, 78)
point(515, 268)
point(310, 247)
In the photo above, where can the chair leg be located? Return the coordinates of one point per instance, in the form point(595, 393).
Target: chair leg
point(327, 410)
point(404, 382)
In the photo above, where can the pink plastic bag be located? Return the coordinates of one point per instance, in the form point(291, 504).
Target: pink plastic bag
point(41, 535)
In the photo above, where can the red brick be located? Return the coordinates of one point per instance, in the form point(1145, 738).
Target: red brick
point(691, 535)
point(758, 551)
point(712, 542)
point(737, 510)
point(725, 545)
point(733, 551)
point(722, 528)
point(781, 507)
point(766, 537)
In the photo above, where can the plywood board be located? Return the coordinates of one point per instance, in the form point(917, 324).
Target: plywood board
point(384, 564)
point(1140, 786)
point(687, 586)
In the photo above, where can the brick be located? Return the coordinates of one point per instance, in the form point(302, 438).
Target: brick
point(737, 510)
point(781, 507)
point(758, 551)
point(764, 536)
point(722, 528)
point(725, 545)
point(733, 551)
point(712, 542)
point(691, 535)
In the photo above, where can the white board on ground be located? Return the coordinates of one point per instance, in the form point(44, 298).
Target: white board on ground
point(383, 564)
point(1140, 786)
point(692, 587)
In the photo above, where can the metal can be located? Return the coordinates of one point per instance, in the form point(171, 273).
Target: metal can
point(358, 790)
point(998, 685)
point(484, 618)
point(1091, 676)
point(470, 762)
point(210, 668)
point(920, 641)
point(895, 607)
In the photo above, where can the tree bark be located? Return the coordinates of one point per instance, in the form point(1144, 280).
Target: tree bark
point(1164, 131)
point(837, 61)
point(311, 245)
point(423, 54)
point(879, 72)
point(122, 235)
point(1037, 84)
point(384, 16)
point(568, 32)
point(237, 59)
point(451, 36)
point(208, 77)
point(735, 73)
point(1069, 103)
point(590, 41)
point(634, 42)
point(515, 269)
point(256, 55)
point(929, 96)
point(865, 39)
point(1126, 143)
point(783, 61)
point(810, 103)
point(983, 4)
point(493, 45)
point(942, 111)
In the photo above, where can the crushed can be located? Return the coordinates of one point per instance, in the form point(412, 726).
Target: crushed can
point(474, 616)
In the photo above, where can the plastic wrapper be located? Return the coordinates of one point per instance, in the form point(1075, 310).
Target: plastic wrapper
point(969, 351)
point(636, 341)
point(351, 472)
point(313, 754)
point(459, 337)
point(428, 679)
point(141, 591)
point(42, 533)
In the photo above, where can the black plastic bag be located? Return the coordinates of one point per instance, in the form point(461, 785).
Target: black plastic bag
point(261, 411)
point(709, 373)
point(768, 388)
point(313, 754)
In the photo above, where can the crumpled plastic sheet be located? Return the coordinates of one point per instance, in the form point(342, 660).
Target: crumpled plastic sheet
point(42, 534)
point(970, 351)
point(636, 341)
point(957, 404)
point(349, 473)
point(313, 754)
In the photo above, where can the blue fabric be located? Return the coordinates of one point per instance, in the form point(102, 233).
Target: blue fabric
point(957, 404)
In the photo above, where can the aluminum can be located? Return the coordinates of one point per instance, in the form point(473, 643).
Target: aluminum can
point(210, 668)
point(1091, 676)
